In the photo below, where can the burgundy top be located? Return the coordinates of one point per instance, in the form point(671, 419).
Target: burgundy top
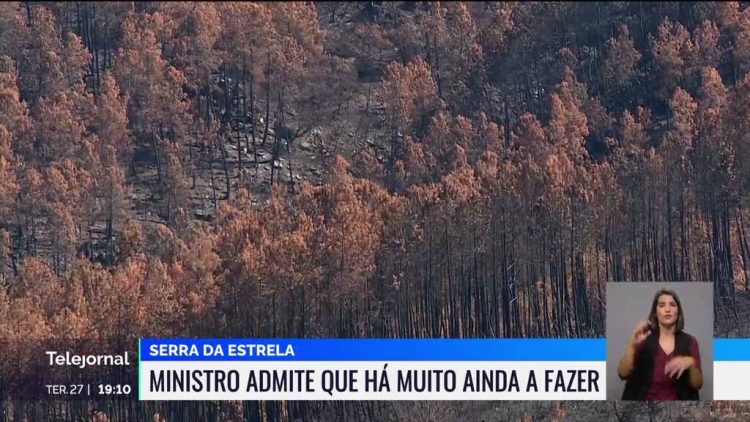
point(662, 387)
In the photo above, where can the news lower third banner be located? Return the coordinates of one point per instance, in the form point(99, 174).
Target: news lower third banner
point(372, 369)
point(731, 369)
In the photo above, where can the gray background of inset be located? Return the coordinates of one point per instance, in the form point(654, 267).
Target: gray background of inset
point(628, 303)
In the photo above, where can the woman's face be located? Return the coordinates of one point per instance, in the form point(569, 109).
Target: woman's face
point(666, 311)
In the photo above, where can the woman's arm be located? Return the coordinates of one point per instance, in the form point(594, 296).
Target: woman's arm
point(678, 365)
point(690, 363)
point(696, 377)
point(696, 373)
point(627, 361)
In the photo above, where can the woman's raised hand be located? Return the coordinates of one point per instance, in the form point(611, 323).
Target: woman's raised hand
point(642, 330)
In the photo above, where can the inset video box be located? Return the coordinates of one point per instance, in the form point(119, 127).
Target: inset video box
point(372, 369)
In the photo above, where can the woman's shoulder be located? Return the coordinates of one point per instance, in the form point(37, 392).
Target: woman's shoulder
point(690, 337)
point(685, 333)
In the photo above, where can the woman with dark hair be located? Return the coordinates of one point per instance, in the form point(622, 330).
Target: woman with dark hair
point(662, 362)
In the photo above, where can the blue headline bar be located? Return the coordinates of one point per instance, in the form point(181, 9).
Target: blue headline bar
point(373, 349)
point(732, 349)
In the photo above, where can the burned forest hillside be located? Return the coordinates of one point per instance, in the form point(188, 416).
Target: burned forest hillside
point(371, 169)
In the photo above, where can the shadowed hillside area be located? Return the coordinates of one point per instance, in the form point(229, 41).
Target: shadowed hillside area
point(365, 170)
